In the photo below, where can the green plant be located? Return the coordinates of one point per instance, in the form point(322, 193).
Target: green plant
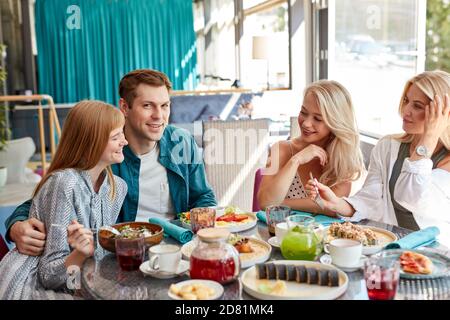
point(438, 35)
point(4, 130)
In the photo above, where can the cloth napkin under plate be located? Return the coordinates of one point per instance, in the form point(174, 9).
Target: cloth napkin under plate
point(415, 239)
point(180, 234)
point(322, 219)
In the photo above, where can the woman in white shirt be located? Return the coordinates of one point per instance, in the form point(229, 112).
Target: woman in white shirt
point(408, 182)
point(328, 148)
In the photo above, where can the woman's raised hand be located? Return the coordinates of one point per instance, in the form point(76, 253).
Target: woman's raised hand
point(310, 152)
point(437, 117)
point(329, 199)
point(81, 239)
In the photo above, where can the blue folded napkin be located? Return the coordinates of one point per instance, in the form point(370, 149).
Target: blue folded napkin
point(180, 234)
point(415, 239)
point(322, 219)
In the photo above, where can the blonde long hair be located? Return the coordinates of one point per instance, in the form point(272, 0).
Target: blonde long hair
point(431, 83)
point(84, 137)
point(345, 160)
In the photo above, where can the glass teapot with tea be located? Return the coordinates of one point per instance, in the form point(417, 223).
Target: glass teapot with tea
point(304, 240)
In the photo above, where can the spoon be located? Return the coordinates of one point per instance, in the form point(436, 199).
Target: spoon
point(111, 229)
point(107, 228)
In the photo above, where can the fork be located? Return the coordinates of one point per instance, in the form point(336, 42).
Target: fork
point(318, 199)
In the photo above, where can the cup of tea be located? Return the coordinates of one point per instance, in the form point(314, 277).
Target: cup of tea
point(164, 257)
point(202, 218)
point(275, 215)
point(345, 252)
point(130, 252)
point(280, 231)
point(381, 275)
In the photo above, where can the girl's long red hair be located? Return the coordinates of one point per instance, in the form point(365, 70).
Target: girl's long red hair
point(84, 137)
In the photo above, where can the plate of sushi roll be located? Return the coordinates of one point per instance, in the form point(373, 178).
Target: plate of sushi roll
point(294, 280)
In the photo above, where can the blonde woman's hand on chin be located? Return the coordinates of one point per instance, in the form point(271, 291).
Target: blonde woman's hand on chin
point(81, 239)
point(309, 153)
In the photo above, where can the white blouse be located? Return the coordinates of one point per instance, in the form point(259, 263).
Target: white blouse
point(420, 189)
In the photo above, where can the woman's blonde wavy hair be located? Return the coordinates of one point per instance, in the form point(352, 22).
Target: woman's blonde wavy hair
point(345, 160)
point(431, 83)
point(84, 138)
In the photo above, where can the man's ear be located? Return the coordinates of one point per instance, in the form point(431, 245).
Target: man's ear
point(123, 105)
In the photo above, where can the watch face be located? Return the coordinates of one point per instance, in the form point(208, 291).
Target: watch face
point(422, 151)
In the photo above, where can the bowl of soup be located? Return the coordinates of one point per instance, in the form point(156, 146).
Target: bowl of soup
point(153, 234)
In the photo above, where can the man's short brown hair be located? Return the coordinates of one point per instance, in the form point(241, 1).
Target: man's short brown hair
point(130, 81)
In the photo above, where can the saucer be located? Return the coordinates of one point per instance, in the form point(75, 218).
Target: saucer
point(274, 242)
point(326, 259)
point(183, 266)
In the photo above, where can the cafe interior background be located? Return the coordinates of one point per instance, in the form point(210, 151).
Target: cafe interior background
point(236, 61)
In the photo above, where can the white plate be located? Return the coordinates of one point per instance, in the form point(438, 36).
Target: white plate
point(326, 259)
point(294, 290)
point(441, 263)
point(233, 227)
point(274, 242)
point(146, 269)
point(246, 259)
point(218, 288)
point(386, 238)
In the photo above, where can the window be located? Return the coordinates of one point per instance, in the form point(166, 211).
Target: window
point(225, 55)
point(377, 45)
point(214, 27)
point(265, 47)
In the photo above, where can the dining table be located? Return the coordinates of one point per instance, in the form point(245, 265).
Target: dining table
point(102, 278)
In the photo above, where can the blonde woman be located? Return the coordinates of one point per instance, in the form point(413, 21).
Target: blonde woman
point(77, 193)
point(328, 148)
point(408, 182)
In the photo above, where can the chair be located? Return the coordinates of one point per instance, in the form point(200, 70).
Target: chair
point(3, 248)
point(295, 129)
point(15, 157)
point(258, 179)
point(233, 151)
point(21, 180)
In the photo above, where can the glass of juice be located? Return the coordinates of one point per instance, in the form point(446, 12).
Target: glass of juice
point(275, 215)
point(130, 252)
point(381, 275)
point(202, 218)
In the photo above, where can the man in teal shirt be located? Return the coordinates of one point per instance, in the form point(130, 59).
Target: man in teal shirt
point(157, 155)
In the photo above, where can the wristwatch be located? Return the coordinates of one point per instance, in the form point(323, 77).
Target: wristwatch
point(422, 151)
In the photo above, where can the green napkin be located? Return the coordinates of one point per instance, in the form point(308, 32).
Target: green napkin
point(415, 239)
point(322, 219)
point(180, 234)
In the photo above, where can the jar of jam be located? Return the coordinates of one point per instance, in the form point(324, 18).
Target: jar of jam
point(214, 258)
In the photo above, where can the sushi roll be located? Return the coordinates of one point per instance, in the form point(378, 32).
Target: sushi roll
point(280, 271)
point(271, 271)
point(323, 278)
point(312, 275)
point(291, 274)
point(301, 274)
point(333, 277)
point(261, 271)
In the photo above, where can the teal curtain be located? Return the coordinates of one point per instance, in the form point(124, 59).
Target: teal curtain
point(83, 51)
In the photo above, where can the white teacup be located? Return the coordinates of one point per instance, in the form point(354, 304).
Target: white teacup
point(164, 257)
point(345, 252)
point(281, 229)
